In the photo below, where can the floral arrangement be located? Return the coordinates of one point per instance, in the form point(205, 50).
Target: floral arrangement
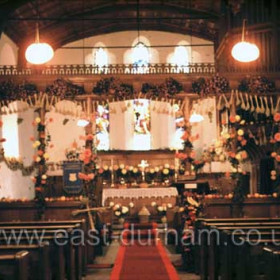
point(40, 159)
point(11, 91)
point(170, 87)
point(256, 84)
point(121, 211)
point(162, 209)
point(114, 86)
point(64, 89)
point(73, 153)
point(188, 164)
point(215, 85)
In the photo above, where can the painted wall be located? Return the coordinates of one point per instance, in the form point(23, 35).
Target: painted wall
point(17, 129)
point(8, 51)
point(129, 38)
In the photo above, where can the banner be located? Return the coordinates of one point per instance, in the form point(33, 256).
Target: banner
point(71, 182)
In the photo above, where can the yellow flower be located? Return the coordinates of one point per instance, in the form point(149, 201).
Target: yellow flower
point(124, 171)
point(242, 122)
point(38, 159)
point(238, 157)
point(240, 132)
point(37, 120)
point(36, 144)
point(273, 172)
point(237, 118)
point(46, 156)
point(44, 177)
point(165, 171)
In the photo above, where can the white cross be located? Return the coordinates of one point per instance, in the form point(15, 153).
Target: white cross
point(143, 165)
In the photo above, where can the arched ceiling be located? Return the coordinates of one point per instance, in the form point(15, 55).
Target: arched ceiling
point(65, 21)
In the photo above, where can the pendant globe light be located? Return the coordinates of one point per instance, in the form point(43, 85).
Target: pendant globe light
point(244, 51)
point(38, 53)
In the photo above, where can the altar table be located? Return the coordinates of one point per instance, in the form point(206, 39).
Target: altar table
point(140, 196)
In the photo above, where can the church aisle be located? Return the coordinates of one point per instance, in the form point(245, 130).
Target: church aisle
point(109, 257)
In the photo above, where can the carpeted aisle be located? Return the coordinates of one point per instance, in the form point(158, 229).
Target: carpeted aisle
point(143, 259)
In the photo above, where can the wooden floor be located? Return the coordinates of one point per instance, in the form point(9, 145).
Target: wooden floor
point(110, 254)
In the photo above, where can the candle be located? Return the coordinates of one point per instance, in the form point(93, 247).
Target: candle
point(112, 172)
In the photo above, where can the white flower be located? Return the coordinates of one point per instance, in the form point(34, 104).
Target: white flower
point(44, 177)
point(153, 204)
point(105, 167)
point(160, 208)
point(125, 209)
point(131, 204)
point(111, 204)
point(181, 209)
point(130, 168)
point(169, 205)
point(166, 165)
point(116, 207)
point(122, 166)
point(117, 213)
point(156, 169)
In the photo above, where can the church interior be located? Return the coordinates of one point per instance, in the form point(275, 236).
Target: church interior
point(139, 139)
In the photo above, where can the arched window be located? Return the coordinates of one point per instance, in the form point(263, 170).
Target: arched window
point(101, 58)
point(180, 56)
point(140, 55)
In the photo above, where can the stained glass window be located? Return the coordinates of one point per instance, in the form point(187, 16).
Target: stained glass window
point(140, 55)
point(142, 135)
point(101, 58)
point(102, 127)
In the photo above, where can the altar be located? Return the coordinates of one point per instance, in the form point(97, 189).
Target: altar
point(140, 196)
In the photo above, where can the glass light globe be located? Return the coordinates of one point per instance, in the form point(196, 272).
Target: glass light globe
point(39, 53)
point(245, 52)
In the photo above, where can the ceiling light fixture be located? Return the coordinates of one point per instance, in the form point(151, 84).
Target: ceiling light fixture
point(38, 53)
point(244, 51)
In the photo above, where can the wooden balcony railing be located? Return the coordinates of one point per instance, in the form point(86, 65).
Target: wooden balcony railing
point(114, 69)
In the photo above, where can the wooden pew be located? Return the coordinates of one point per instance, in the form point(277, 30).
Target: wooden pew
point(210, 256)
point(14, 266)
point(38, 265)
point(87, 250)
point(73, 254)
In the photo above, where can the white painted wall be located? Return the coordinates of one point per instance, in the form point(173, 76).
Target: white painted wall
point(14, 184)
point(62, 136)
point(8, 51)
point(129, 38)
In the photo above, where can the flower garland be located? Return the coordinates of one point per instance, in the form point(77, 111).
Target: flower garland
point(40, 180)
point(112, 85)
point(188, 164)
point(64, 89)
point(215, 85)
point(256, 84)
point(170, 87)
point(11, 91)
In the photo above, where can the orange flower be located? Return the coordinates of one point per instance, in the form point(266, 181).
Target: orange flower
point(181, 156)
point(81, 176)
point(244, 155)
point(101, 170)
point(192, 154)
point(277, 117)
point(40, 152)
point(32, 138)
point(185, 136)
point(278, 158)
point(232, 154)
point(50, 120)
point(243, 142)
point(232, 119)
point(90, 176)
point(38, 189)
point(89, 137)
point(43, 182)
point(273, 154)
point(227, 174)
point(239, 138)
point(277, 137)
point(87, 153)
